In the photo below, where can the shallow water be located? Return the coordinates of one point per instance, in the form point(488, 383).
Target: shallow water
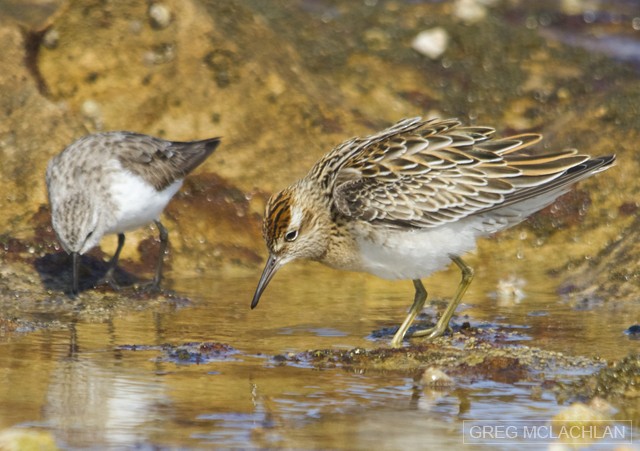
point(109, 384)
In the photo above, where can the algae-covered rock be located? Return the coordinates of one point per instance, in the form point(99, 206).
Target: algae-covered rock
point(469, 354)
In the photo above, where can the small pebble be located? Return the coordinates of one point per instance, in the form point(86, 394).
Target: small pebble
point(92, 111)
point(510, 290)
point(431, 43)
point(470, 11)
point(160, 54)
point(160, 15)
point(581, 416)
point(51, 38)
point(633, 331)
point(433, 377)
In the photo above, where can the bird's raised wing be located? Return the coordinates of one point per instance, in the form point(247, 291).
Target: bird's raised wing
point(426, 173)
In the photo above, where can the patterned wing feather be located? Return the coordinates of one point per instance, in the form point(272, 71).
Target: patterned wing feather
point(426, 173)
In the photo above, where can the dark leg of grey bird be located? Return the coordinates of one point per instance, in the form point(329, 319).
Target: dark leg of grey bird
point(418, 302)
point(76, 272)
point(164, 241)
point(108, 277)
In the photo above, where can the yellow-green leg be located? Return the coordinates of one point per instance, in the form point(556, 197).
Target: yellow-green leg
point(418, 303)
point(421, 295)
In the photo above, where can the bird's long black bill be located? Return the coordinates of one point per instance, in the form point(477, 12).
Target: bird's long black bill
point(76, 270)
point(272, 266)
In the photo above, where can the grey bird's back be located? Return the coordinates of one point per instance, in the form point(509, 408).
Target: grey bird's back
point(157, 161)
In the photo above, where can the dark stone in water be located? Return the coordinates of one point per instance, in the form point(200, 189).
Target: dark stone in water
point(633, 331)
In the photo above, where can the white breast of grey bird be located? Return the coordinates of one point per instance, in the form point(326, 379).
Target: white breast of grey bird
point(138, 203)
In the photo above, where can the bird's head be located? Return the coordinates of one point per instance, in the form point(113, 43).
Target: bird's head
point(77, 223)
point(293, 230)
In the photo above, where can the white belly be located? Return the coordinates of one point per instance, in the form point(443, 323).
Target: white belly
point(414, 254)
point(138, 203)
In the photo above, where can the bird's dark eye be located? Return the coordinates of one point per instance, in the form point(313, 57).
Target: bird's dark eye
point(291, 236)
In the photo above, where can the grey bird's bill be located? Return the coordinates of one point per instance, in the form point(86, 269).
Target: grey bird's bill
point(270, 269)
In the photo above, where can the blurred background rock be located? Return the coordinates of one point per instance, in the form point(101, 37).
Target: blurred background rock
point(284, 81)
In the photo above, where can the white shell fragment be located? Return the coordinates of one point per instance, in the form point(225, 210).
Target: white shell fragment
point(431, 43)
point(160, 15)
point(435, 377)
point(470, 11)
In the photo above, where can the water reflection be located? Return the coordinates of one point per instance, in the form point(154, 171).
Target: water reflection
point(90, 401)
point(88, 405)
point(110, 383)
